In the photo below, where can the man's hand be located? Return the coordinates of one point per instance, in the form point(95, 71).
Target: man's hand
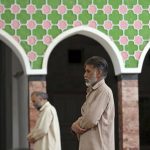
point(30, 138)
point(77, 129)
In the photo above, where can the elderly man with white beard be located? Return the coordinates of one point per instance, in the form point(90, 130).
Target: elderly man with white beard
point(95, 127)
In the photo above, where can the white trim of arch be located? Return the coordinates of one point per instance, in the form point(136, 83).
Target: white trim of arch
point(100, 37)
point(143, 55)
point(17, 49)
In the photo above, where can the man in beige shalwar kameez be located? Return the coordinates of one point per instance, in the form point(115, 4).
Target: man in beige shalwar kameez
point(46, 133)
point(95, 127)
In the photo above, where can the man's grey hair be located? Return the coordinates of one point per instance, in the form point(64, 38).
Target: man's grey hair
point(43, 95)
point(99, 63)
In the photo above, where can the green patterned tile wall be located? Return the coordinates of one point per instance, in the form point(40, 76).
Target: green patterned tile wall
point(36, 23)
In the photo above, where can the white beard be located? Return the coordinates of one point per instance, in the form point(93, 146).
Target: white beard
point(87, 84)
point(90, 82)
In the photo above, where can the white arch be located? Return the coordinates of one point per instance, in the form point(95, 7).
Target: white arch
point(17, 49)
point(143, 55)
point(100, 37)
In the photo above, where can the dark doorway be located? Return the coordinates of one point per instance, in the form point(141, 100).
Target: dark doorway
point(65, 84)
point(144, 104)
point(5, 96)
point(13, 101)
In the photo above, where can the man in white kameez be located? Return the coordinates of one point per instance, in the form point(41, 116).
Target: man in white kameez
point(95, 126)
point(46, 133)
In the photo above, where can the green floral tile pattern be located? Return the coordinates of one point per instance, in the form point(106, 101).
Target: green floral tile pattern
point(69, 3)
point(7, 16)
point(36, 23)
point(85, 17)
point(54, 17)
point(9, 30)
point(54, 3)
point(23, 17)
point(100, 17)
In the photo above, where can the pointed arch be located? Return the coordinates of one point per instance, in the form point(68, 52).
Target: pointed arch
point(17, 49)
point(100, 37)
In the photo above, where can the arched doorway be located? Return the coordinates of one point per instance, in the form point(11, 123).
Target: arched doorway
point(144, 104)
point(65, 84)
point(14, 101)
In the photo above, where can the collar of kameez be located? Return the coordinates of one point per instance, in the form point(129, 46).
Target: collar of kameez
point(44, 106)
point(98, 84)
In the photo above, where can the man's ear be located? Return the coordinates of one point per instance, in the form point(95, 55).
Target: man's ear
point(40, 98)
point(98, 73)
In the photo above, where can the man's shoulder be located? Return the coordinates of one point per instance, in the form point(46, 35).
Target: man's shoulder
point(47, 107)
point(105, 89)
point(50, 108)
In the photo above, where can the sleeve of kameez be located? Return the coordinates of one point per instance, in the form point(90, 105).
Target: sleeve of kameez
point(98, 105)
point(43, 127)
